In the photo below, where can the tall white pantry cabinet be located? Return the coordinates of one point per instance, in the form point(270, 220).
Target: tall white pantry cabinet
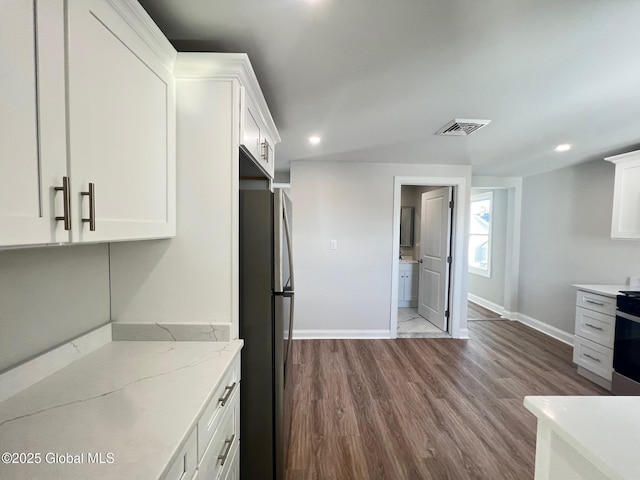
point(87, 124)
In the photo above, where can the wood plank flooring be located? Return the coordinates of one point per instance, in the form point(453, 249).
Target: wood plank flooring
point(478, 312)
point(431, 409)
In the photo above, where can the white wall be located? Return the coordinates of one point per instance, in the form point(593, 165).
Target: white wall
point(192, 277)
point(49, 296)
point(347, 291)
point(566, 222)
point(492, 288)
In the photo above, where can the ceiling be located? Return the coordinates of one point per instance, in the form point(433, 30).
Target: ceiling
point(375, 79)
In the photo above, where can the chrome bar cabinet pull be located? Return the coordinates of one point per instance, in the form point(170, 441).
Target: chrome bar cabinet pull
point(227, 449)
point(595, 303)
point(92, 207)
point(592, 358)
point(66, 200)
point(592, 326)
point(225, 398)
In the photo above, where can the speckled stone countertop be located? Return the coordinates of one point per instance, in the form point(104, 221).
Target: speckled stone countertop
point(132, 402)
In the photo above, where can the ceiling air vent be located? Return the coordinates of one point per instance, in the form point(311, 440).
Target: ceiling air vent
point(462, 126)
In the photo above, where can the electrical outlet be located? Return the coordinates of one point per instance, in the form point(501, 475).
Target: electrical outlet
point(634, 281)
point(333, 244)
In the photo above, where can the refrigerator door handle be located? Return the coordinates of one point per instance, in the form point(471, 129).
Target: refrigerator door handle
point(287, 231)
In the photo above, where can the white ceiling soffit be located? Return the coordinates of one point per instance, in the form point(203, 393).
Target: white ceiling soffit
point(462, 127)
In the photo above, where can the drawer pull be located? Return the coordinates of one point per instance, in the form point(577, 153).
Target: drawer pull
point(223, 399)
point(595, 303)
point(593, 326)
point(227, 448)
point(592, 358)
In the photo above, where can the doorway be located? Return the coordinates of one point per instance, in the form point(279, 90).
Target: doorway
point(425, 246)
point(493, 275)
point(437, 305)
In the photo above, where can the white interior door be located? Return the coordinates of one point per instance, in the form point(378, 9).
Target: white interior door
point(435, 243)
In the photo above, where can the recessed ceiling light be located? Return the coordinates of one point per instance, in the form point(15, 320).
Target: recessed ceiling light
point(563, 147)
point(314, 140)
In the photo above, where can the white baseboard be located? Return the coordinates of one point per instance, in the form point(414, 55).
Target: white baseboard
point(31, 372)
point(463, 334)
point(489, 305)
point(340, 334)
point(554, 332)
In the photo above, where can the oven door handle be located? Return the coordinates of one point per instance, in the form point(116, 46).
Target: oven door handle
point(627, 316)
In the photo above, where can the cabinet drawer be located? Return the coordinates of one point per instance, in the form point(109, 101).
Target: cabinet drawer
point(231, 470)
point(595, 326)
point(218, 453)
point(184, 466)
point(597, 303)
point(593, 357)
point(218, 404)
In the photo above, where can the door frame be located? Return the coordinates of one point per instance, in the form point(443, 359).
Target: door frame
point(459, 242)
point(513, 186)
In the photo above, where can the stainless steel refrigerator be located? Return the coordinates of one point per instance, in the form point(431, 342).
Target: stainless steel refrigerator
point(266, 324)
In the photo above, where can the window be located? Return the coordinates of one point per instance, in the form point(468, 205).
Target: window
point(480, 234)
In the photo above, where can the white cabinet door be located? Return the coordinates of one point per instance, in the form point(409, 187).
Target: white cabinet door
point(411, 284)
point(121, 127)
point(32, 132)
point(625, 222)
point(251, 134)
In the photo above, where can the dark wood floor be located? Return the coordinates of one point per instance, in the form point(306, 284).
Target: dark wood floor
point(431, 409)
point(478, 312)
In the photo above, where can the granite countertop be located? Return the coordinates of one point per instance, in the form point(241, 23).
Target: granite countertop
point(607, 290)
point(604, 430)
point(133, 402)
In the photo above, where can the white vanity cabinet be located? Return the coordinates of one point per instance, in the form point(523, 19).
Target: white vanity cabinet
point(33, 151)
point(88, 123)
point(408, 284)
point(625, 222)
point(594, 331)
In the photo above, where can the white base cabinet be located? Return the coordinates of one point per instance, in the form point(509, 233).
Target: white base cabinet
point(594, 330)
point(211, 451)
point(408, 282)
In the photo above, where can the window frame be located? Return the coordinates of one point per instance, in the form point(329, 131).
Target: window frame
point(478, 197)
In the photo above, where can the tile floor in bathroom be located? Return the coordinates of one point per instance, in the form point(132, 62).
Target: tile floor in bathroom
point(412, 325)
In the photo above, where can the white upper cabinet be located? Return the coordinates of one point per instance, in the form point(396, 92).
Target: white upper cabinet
point(121, 123)
point(90, 107)
point(257, 137)
point(32, 122)
point(625, 221)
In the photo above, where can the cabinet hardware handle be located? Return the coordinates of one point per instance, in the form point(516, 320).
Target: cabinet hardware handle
point(92, 207)
point(592, 358)
point(66, 200)
point(592, 326)
point(265, 151)
point(223, 399)
point(225, 454)
point(595, 303)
